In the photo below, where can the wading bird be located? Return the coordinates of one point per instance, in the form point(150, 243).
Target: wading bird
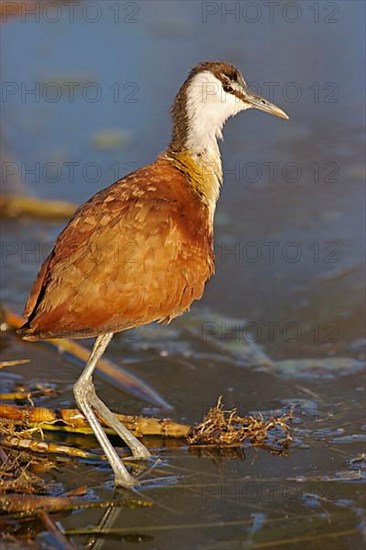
point(141, 250)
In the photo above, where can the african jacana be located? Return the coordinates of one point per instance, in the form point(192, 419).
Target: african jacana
point(141, 250)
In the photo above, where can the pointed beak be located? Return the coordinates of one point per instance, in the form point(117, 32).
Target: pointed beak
point(258, 102)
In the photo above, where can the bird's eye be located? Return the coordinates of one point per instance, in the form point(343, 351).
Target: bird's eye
point(227, 88)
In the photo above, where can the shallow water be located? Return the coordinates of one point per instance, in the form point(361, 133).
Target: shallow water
point(289, 254)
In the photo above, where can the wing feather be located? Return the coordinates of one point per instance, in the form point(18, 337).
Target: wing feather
point(135, 253)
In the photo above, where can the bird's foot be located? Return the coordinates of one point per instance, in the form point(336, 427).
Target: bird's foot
point(124, 479)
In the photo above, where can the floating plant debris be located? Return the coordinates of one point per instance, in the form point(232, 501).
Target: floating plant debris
point(222, 428)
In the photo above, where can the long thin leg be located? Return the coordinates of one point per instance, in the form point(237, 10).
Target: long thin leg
point(137, 448)
point(84, 395)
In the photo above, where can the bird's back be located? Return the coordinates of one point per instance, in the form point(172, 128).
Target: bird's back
point(136, 252)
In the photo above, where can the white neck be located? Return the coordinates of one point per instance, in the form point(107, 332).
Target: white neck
point(205, 121)
point(208, 108)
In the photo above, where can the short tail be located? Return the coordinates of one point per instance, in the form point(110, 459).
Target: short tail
point(28, 333)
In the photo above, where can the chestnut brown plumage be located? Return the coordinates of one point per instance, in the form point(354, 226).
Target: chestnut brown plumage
point(141, 250)
point(136, 252)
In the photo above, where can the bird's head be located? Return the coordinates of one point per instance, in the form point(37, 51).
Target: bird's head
point(213, 92)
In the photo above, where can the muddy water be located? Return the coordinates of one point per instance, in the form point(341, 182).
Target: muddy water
point(282, 322)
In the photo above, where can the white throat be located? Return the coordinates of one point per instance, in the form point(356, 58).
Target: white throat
point(208, 108)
